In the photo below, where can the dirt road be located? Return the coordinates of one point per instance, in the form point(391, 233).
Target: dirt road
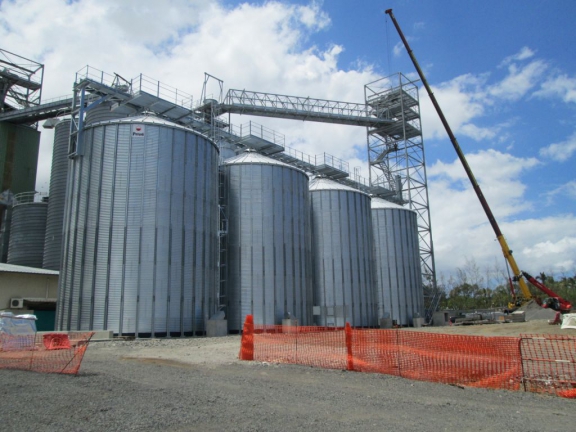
point(199, 385)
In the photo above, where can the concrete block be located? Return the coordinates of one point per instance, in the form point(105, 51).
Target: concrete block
point(289, 323)
point(418, 322)
point(386, 323)
point(217, 328)
point(440, 319)
point(103, 335)
point(518, 316)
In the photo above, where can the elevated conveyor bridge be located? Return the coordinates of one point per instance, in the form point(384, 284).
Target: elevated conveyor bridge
point(299, 108)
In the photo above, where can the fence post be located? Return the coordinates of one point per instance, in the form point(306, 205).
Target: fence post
point(348, 333)
point(247, 344)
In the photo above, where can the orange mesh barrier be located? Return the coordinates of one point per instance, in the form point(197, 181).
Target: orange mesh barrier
point(51, 353)
point(549, 364)
point(474, 361)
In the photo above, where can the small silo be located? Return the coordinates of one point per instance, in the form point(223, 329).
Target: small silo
point(342, 251)
point(140, 242)
point(227, 150)
point(27, 231)
point(102, 112)
point(268, 241)
point(58, 175)
point(397, 257)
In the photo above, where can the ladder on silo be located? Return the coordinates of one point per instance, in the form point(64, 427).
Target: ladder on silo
point(223, 243)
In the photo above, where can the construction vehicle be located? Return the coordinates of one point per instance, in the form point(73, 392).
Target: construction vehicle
point(555, 301)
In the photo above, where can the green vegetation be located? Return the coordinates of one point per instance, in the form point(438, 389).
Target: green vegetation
point(471, 288)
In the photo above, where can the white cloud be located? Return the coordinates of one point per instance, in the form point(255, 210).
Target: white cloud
point(398, 49)
point(468, 98)
point(519, 81)
point(561, 151)
point(567, 190)
point(460, 225)
point(502, 188)
point(523, 54)
point(561, 86)
point(462, 99)
point(565, 246)
point(549, 243)
point(420, 25)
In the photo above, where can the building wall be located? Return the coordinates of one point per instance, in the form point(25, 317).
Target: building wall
point(26, 285)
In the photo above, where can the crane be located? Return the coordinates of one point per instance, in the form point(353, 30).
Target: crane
point(519, 276)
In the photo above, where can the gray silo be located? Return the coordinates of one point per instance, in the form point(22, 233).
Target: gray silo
point(397, 256)
point(227, 150)
point(102, 112)
point(58, 175)
point(268, 242)
point(140, 231)
point(27, 231)
point(342, 250)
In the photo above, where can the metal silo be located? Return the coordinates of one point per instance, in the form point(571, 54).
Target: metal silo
point(102, 112)
point(397, 256)
point(342, 251)
point(140, 230)
point(268, 241)
point(27, 230)
point(58, 175)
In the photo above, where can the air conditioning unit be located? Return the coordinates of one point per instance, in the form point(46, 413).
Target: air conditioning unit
point(16, 303)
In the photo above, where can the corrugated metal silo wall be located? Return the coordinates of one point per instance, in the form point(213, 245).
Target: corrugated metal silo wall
point(140, 239)
point(27, 231)
point(58, 175)
point(342, 251)
point(100, 113)
point(398, 270)
point(5, 233)
point(269, 250)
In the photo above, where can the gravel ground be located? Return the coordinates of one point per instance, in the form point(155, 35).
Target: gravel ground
point(501, 329)
point(198, 384)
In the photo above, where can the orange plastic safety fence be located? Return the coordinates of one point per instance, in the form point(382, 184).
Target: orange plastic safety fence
point(465, 360)
point(48, 353)
point(452, 359)
point(549, 364)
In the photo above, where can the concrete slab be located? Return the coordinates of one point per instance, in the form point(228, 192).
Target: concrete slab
point(217, 328)
point(440, 319)
point(417, 322)
point(385, 323)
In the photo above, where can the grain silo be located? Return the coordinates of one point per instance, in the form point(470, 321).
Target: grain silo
point(27, 230)
point(102, 112)
point(58, 175)
point(342, 251)
point(140, 230)
point(268, 241)
point(397, 257)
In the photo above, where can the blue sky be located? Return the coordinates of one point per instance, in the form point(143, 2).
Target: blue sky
point(503, 72)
